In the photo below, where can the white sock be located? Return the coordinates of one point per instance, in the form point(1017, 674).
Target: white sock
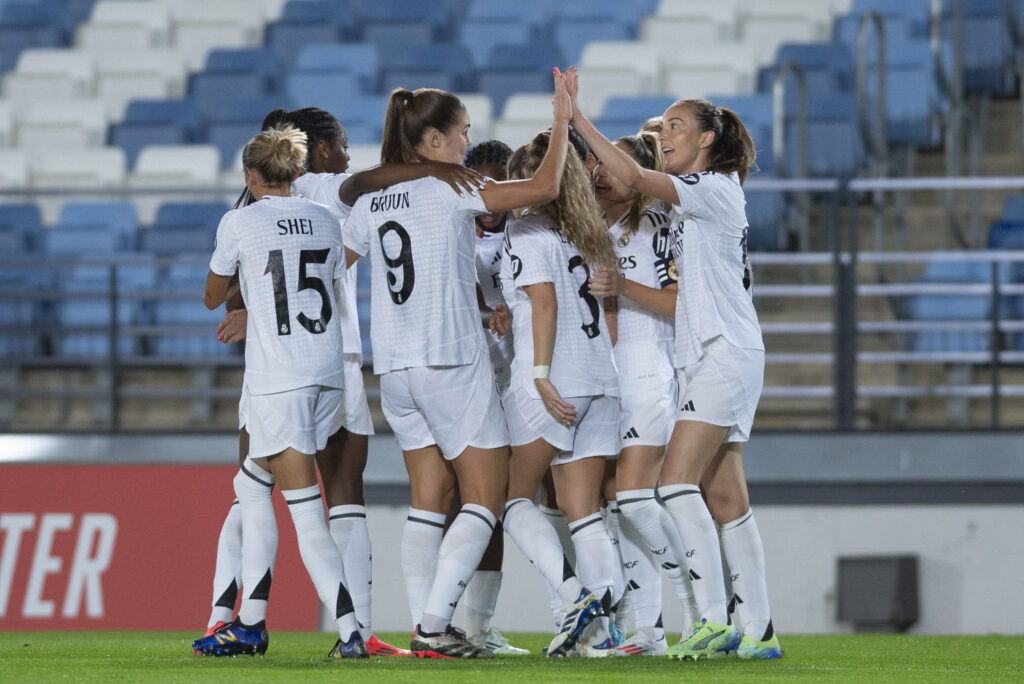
point(610, 514)
point(320, 556)
point(595, 556)
point(348, 529)
point(480, 600)
point(539, 543)
point(741, 543)
point(659, 532)
point(461, 550)
point(253, 486)
point(227, 574)
point(557, 521)
point(703, 556)
point(642, 576)
point(421, 540)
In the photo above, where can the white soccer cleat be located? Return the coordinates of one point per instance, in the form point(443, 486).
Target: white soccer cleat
point(647, 642)
point(495, 642)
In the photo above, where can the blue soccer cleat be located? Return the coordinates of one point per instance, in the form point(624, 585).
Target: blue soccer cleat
point(355, 647)
point(234, 639)
point(575, 618)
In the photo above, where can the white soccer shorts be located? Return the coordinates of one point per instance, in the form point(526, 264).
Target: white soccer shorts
point(301, 419)
point(453, 407)
point(647, 418)
point(723, 388)
point(595, 433)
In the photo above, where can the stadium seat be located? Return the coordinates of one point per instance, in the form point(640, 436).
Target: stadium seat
point(916, 12)
point(22, 221)
point(95, 312)
point(477, 35)
point(405, 12)
point(618, 69)
point(61, 124)
point(513, 68)
point(362, 59)
point(339, 13)
point(18, 314)
point(132, 137)
point(629, 113)
point(286, 39)
point(196, 335)
point(386, 33)
point(572, 34)
point(1013, 208)
point(324, 89)
point(167, 166)
point(225, 108)
point(764, 26)
point(123, 76)
point(101, 168)
point(214, 85)
point(524, 116)
point(446, 65)
point(183, 226)
point(199, 26)
point(481, 115)
point(726, 68)
point(363, 157)
point(125, 25)
point(26, 25)
point(14, 169)
point(119, 217)
point(48, 73)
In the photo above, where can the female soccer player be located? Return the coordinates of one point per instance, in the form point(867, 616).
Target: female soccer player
point(437, 387)
point(719, 361)
point(643, 355)
point(342, 461)
point(563, 348)
point(283, 248)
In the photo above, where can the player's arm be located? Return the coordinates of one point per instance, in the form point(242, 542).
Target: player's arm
point(546, 183)
point(218, 289)
point(606, 282)
point(385, 175)
point(618, 162)
point(544, 309)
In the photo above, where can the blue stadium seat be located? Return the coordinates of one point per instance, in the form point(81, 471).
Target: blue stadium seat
point(572, 34)
point(834, 146)
point(182, 112)
point(845, 29)
point(229, 138)
point(430, 14)
point(358, 58)
point(15, 39)
point(988, 46)
point(446, 64)
point(322, 88)
point(119, 217)
point(515, 68)
point(765, 210)
point(17, 313)
point(25, 221)
point(132, 137)
point(226, 109)
point(285, 40)
point(1013, 208)
point(832, 58)
point(96, 312)
point(756, 112)
point(624, 115)
point(12, 242)
point(338, 13)
point(386, 34)
point(917, 12)
point(73, 241)
point(477, 35)
point(256, 60)
point(200, 340)
point(182, 227)
point(529, 11)
point(205, 85)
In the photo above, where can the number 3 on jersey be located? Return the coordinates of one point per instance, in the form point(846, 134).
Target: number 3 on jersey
point(591, 329)
point(403, 261)
point(275, 267)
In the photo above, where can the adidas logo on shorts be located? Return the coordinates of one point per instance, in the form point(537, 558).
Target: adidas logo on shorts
point(688, 406)
point(631, 434)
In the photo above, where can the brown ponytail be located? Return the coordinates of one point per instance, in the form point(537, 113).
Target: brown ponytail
point(408, 117)
point(732, 149)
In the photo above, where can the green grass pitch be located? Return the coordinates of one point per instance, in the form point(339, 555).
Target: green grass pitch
point(167, 656)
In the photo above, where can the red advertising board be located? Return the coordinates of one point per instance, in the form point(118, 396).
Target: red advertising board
point(127, 547)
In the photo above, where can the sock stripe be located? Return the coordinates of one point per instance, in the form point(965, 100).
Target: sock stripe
point(479, 515)
point(574, 530)
point(265, 484)
point(339, 516)
point(315, 497)
point(508, 507)
point(682, 493)
point(623, 502)
point(235, 502)
point(425, 522)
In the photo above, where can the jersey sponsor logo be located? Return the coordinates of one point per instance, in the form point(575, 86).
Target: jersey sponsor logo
point(661, 243)
point(624, 240)
point(392, 200)
point(627, 262)
point(295, 226)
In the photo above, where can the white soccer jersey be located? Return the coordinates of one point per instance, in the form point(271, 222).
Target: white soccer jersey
point(287, 251)
point(420, 238)
point(643, 350)
point(709, 233)
point(323, 188)
point(582, 364)
point(488, 273)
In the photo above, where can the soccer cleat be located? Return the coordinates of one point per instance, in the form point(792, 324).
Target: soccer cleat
point(234, 639)
point(376, 648)
point(495, 642)
point(706, 640)
point(646, 642)
point(216, 628)
point(575, 618)
point(355, 647)
point(617, 637)
point(581, 650)
point(752, 649)
point(451, 643)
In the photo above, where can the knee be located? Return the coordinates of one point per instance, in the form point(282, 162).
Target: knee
point(726, 503)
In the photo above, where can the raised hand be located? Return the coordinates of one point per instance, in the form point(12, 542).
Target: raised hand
point(572, 87)
point(562, 104)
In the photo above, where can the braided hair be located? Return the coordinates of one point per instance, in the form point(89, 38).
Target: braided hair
point(316, 123)
point(488, 152)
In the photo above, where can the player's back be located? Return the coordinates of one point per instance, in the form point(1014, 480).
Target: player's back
point(420, 240)
point(289, 252)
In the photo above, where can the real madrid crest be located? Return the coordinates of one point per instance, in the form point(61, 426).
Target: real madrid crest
point(624, 240)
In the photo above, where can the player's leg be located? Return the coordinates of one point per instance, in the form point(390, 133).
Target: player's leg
point(725, 489)
point(227, 573)
point(610, 513)
point(548, 505)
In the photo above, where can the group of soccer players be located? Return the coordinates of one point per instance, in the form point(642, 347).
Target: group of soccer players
point(622, 365)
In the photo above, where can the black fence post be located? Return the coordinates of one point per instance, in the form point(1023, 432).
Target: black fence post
point(113, 361)
point(995, 346)
point(845, 339)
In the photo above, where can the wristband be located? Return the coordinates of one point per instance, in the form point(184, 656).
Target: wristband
point(541, 372)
